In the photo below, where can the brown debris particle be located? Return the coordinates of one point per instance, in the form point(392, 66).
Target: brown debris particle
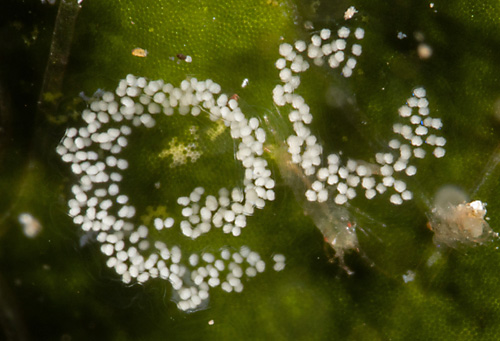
point(456, 222)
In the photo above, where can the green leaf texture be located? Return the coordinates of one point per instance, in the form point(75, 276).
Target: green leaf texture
point(56, 285)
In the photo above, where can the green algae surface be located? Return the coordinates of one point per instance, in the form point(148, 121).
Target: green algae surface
point(57, 286)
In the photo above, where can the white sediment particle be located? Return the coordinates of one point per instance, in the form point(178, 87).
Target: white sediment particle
point(30, 225)
point(401, 35)
point(350, 12)
point(409, 276)
point(424, 51)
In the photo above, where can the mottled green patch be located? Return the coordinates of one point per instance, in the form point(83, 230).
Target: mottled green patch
point(59, 278)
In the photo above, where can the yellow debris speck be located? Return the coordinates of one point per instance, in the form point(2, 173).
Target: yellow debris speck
point(138, 52)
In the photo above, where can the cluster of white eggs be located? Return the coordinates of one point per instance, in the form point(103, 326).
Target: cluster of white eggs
point(99, 204)
point(94, 151)
point(337, 178)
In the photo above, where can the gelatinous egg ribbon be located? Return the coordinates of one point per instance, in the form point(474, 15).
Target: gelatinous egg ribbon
point(99, 204)
point(337, 178)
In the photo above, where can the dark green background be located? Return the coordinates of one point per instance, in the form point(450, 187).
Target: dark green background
point(63, 290)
